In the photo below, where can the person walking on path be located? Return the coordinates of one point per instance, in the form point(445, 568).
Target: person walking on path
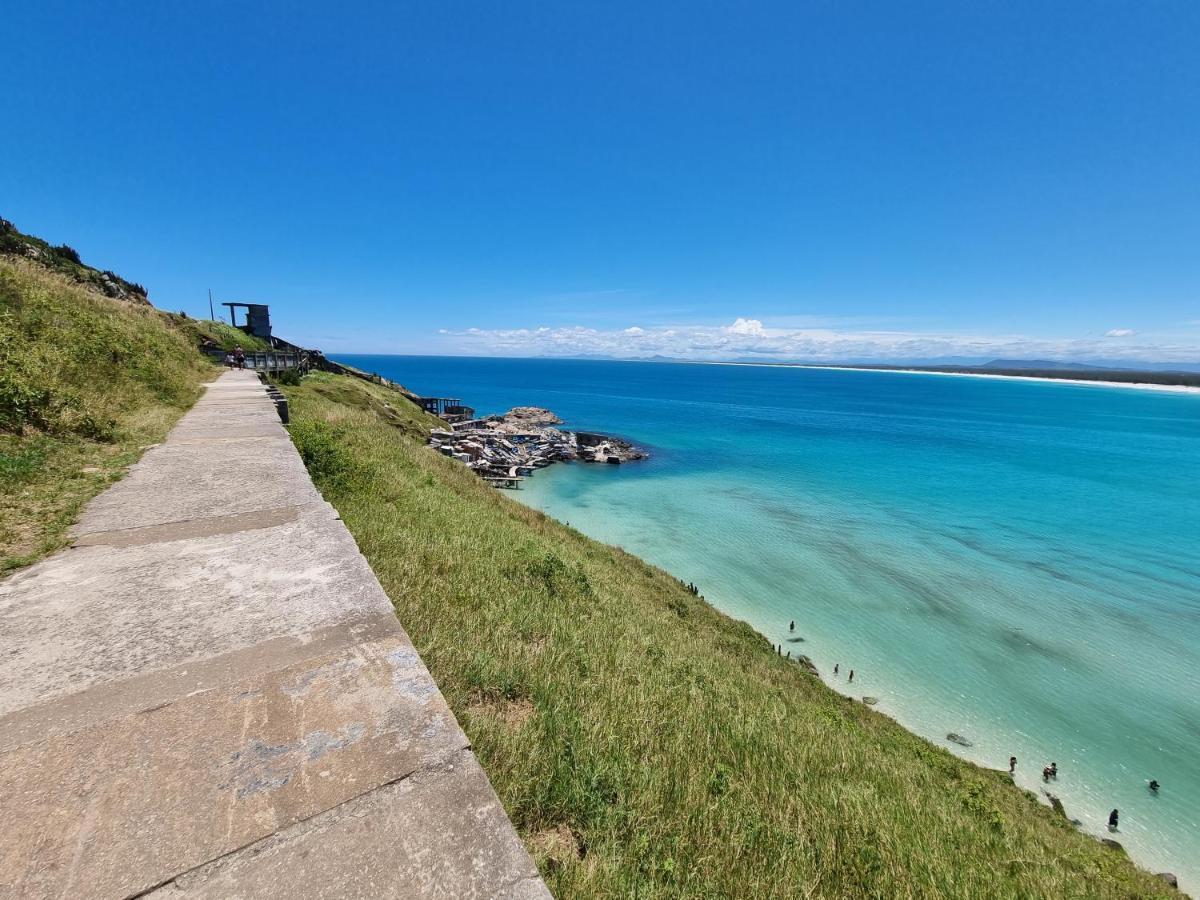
point(239, 356)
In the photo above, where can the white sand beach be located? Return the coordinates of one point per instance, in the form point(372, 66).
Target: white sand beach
point(1137, 385)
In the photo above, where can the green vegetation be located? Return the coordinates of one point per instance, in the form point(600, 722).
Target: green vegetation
point(65, 260)
point(644, 744)
point(86, 382)
point(221, 334)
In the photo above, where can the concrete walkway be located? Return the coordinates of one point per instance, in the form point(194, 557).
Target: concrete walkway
point(209, 696)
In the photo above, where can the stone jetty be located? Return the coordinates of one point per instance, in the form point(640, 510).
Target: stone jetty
point(209, 695)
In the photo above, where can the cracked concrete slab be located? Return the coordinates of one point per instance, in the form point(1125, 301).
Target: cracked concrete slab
point(95, 614)
point(438, 834)
point(175, 531)
point(175, 482)
point(118, 698)
point(118, 808)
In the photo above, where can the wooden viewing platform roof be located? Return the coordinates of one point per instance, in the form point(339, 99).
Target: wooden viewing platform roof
point(443, 406)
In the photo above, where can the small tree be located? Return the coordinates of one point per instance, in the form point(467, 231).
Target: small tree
point(67, 252)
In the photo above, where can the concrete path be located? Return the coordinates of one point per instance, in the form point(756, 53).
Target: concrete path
point(209, 696)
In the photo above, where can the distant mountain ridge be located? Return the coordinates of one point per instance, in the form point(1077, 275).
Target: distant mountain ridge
point(1040, 364)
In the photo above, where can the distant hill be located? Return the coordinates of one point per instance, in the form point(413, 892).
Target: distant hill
point(65, 260)
point(1042, 364)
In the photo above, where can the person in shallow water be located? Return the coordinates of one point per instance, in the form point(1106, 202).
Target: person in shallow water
point(851, 674)
point(835, 668)
point(1112, 820)
point(1012, 765)
point(1045, 773)
point(1054, 770)
point(1153, 786)
point(792, 627)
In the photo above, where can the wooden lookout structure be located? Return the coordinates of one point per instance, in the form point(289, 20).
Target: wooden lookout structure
point(258, 318)
point(449, 409)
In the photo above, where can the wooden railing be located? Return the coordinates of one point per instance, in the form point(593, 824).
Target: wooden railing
point(266, 360)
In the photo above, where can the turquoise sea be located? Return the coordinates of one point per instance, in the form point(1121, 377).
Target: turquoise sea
point(1017, 562)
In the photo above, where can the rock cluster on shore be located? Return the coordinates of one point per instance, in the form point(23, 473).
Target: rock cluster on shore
point(506, 448)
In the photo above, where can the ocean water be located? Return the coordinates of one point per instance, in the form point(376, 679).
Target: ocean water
point(1017, 562)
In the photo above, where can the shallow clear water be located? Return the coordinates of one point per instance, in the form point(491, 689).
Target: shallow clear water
point(1017, 562)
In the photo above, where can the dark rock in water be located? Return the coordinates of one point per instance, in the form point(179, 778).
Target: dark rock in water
point(1055, 804)
point(954, 738)
point(870, 701)
point(1169, 878)
point(795, 640)
point(1078, 823)
point(808, 664)
point(1112, 845)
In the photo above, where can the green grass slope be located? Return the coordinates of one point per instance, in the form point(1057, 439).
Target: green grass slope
point(644, 744)
point(86, 382)
point(65, 260)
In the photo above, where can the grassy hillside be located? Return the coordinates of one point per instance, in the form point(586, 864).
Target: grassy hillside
point(221, 334)
point(86, 382)
point(65, 260)
point(644, 744)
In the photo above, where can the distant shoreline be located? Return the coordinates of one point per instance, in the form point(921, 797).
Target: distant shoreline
point(1091, 382)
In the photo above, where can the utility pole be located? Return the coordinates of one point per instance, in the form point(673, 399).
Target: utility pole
point(211, 315)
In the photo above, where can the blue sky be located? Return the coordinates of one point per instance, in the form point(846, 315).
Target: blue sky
point(822, 180)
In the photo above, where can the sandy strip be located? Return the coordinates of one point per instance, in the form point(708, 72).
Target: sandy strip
point(1137, 385)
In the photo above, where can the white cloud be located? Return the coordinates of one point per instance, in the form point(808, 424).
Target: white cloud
point(751, 339)
point(1120, 332)
point(746, 326)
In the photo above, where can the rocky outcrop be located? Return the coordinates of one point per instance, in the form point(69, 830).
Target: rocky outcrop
point(606, 448)
point(529, 416)
point(955, 738)
point(1056, 804)
point(65, 259)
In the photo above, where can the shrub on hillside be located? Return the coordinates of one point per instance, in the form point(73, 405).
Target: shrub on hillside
point(288, 377)
point(67, 252)
point(321, 448)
